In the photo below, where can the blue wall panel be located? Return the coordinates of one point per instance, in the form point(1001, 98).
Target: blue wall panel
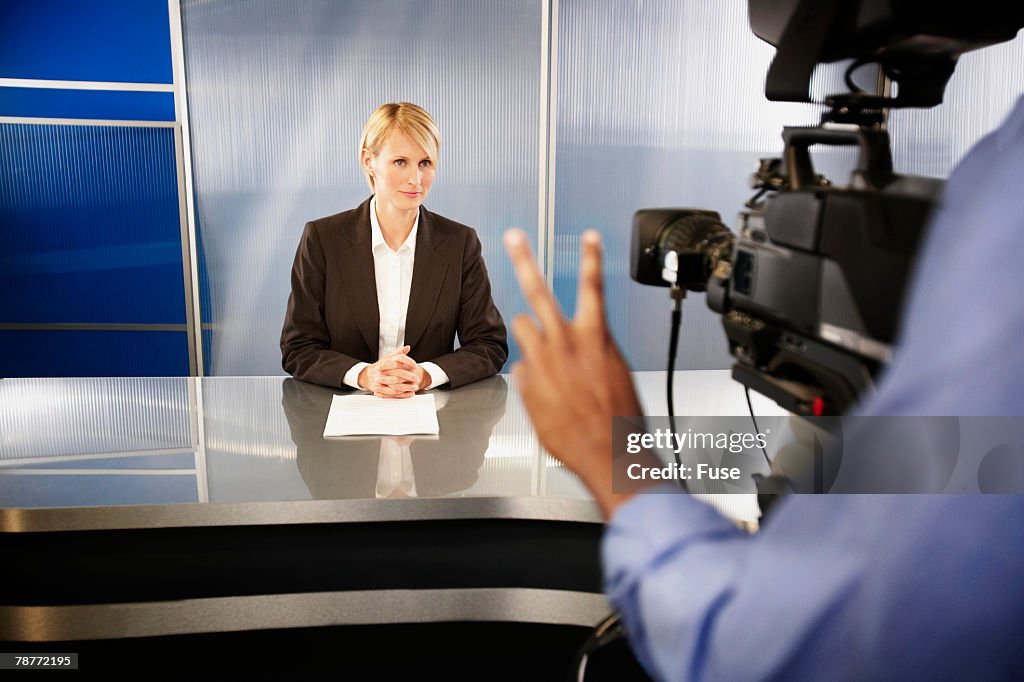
point(100, 40)
point(89, 225)
point(92, 353)
point(96, 104)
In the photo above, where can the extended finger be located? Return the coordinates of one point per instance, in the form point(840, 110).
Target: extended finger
point(532, 283)
point(398, 361)
point(520, 374)
point(590, 292)
point(404, 350)
point(531, 341)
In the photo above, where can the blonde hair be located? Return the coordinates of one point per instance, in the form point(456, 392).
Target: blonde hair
point(405, 118)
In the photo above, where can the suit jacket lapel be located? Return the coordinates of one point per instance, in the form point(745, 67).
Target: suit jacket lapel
point(355, 263)
point(428, 272)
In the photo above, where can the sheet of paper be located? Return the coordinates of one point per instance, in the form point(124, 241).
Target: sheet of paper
point(366, 415)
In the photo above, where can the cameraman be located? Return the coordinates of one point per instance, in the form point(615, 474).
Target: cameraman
point(832, 587)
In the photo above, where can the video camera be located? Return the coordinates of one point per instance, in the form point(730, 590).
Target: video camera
point(810, 286)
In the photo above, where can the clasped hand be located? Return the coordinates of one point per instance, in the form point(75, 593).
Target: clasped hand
point(394, 376)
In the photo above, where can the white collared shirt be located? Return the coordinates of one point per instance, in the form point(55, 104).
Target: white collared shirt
point(392, 271)
point(396, 476)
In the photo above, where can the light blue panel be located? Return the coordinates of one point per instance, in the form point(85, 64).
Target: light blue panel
point(981, 92)
point(661, 104)
point(92, 490)
point(278, 95)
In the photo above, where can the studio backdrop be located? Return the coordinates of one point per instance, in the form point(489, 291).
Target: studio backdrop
point(556, 116)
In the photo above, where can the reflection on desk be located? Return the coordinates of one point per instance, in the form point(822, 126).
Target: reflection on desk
point(350, 468)
point(71, 443)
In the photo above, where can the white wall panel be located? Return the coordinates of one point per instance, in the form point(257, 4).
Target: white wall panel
point(659, 104)
point(278, 94)
point(983, 89)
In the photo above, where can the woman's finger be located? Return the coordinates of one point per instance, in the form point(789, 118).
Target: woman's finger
point(398, 360)
point(401, 374)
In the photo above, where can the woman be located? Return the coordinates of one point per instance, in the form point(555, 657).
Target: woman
point(380, 291)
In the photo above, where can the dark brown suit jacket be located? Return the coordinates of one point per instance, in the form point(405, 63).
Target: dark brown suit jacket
point(332, 321)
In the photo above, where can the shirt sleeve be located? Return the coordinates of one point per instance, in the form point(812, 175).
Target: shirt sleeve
point(651, 543)
point(438, 377)
point(833, 587)
point(352, 376)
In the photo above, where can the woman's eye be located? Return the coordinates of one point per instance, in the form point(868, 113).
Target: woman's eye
point(426, 163)
point(399, 162)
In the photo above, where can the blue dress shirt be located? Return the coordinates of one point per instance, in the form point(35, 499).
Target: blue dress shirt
point(862, 586)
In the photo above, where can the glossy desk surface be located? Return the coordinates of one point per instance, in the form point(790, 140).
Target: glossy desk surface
point(79, 454)
point(184, 506)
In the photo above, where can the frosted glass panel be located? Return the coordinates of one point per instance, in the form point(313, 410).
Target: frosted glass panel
point(660, 104)
point(278, 94)
point(60, 418)
point(981, 92)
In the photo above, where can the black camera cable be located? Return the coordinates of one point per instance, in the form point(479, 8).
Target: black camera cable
point(617, 662)
point(605, 632)
point(611, 628)
point(750, 406)
point(677, 293)
point(770, 488)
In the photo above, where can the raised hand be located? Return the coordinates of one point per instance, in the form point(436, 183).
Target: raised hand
point(572, 378)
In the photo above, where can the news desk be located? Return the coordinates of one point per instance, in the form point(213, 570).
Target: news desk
point(174, 512)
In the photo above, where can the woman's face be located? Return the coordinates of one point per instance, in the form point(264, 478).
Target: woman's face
point(402, 173)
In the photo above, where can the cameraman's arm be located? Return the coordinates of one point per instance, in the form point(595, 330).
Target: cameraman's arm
point(833, 587)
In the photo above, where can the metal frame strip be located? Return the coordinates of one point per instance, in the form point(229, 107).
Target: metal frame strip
point(185, 192)
point(552, 127)
point(90, 327)
point(84, 85)
point(317, 609)
point(548, 124)
point(30, 120)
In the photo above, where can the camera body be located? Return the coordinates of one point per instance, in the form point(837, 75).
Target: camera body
point(810, 285)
